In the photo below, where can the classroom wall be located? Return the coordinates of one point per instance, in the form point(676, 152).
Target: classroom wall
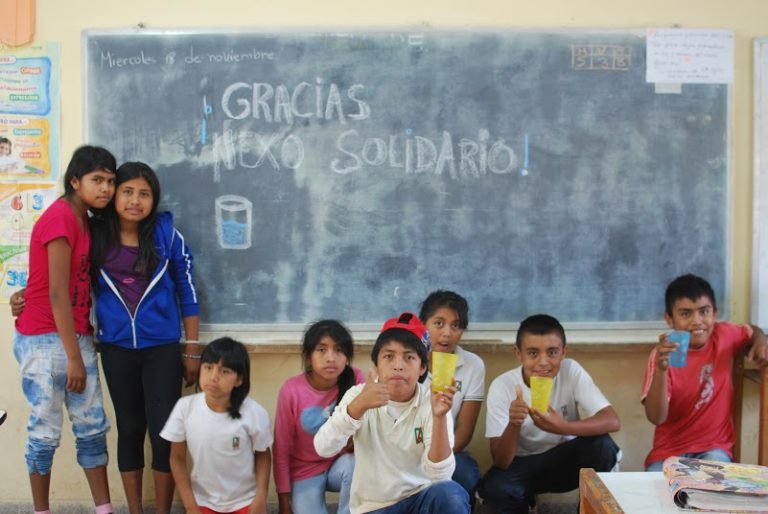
point(617, 370)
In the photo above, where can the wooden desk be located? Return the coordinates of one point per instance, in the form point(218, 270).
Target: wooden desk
point(624, 493)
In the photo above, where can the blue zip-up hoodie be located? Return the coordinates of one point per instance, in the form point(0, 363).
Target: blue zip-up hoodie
point(156, 321)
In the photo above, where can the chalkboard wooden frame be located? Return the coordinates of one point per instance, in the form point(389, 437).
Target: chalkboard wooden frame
point(759, 314)
point(611, 331)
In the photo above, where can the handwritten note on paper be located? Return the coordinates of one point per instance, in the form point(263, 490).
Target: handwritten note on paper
point(696, 56)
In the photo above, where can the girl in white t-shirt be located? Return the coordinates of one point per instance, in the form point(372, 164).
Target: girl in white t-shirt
point(445, 314)
point(227, 434)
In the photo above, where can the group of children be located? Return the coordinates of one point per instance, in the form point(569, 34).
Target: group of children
point(382, 439)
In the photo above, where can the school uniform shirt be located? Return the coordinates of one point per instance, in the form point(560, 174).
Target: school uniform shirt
point(700, 396)
point(470, 380)
point(222, 449)
point(572, 388)
point(58, 221)
point(301, 411)
point(391, 461)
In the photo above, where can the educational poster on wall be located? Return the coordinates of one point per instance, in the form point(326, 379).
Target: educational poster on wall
point(29, 113)
point(29, 152)
point(21, 205)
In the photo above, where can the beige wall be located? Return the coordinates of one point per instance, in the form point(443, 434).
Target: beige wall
point(617, 371)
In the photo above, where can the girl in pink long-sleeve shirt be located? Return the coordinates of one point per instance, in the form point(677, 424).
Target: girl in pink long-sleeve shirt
point(305, 402)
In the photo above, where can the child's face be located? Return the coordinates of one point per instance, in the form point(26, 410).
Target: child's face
point(5, 149)
point(217, 381)
point(540, 355)
point(95, 189)
point(400, 368)
point(327, 361)
point(444, 331)
point(695, 316)
point(134, 200)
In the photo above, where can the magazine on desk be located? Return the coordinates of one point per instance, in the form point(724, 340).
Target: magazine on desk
point(722, 486)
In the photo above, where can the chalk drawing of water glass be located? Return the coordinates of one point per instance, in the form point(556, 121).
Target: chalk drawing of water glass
point(233, 222)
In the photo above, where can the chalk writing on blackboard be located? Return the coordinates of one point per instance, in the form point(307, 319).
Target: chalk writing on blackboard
point(601, 57)
point(348, 174)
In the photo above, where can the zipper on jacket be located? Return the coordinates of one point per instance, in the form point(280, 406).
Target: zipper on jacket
point(111, 285)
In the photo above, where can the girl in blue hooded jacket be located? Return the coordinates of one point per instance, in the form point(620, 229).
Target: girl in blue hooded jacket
point(144, 288)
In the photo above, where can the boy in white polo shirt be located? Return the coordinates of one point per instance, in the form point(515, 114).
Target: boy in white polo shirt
point(535, 452)
point(403, 433)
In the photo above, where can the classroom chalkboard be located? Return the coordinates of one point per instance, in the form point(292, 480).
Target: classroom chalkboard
point(348, 173)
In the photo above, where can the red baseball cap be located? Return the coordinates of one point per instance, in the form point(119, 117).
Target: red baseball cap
point(410, 322)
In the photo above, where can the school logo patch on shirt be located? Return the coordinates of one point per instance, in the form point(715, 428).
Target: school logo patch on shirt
point(458, 385)
point(418, 433)
point(236, 443)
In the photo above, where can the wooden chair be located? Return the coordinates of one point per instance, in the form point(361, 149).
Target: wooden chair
point(740, 374)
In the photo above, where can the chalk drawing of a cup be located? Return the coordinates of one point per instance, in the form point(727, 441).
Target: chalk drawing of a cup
point(233, 222)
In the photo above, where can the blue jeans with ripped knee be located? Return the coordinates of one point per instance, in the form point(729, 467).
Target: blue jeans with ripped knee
point(43, 365)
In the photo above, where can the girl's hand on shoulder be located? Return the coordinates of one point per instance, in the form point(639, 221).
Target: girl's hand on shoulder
point(442, 401)
point(17, 302)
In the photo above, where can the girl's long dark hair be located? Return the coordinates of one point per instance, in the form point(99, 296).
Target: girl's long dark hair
point(233, 355)
point(106, 226)
point(341, 336)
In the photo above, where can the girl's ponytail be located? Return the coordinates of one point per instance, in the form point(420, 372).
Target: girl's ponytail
point(346, 380)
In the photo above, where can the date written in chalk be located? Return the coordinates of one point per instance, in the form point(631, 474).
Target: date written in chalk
point(111, 60)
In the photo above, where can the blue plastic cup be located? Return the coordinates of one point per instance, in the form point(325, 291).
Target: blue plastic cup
point(678, 357)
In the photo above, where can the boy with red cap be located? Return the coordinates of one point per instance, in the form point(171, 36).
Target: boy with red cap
point(402, 432)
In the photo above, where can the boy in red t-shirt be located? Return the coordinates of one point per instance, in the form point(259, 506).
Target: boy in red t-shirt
point(691, 406)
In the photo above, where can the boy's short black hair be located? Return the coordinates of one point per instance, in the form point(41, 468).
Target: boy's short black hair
point(449, 299)
point(688, 286)
point(540, 325)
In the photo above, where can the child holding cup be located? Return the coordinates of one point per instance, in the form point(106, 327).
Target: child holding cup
point(691, 404)
point(536, 451)
point(446, 315)
point(403, 433)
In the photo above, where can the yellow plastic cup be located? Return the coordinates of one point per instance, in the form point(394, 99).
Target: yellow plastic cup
point(443, 370)
point(541, 389)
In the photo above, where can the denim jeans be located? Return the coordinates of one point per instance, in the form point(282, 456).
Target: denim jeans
point(713, 454)
point(467, 473)
point(308, 495)
point(43, 366)
point(440, 498)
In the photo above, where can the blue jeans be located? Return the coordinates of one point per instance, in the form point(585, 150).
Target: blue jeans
point(714, 454)
point(43, 366)
point(308, 495)
point(442, 497)
point(467, 473)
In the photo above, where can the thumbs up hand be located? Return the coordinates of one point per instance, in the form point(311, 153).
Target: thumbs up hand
point(518, 409)
point(373, 395)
